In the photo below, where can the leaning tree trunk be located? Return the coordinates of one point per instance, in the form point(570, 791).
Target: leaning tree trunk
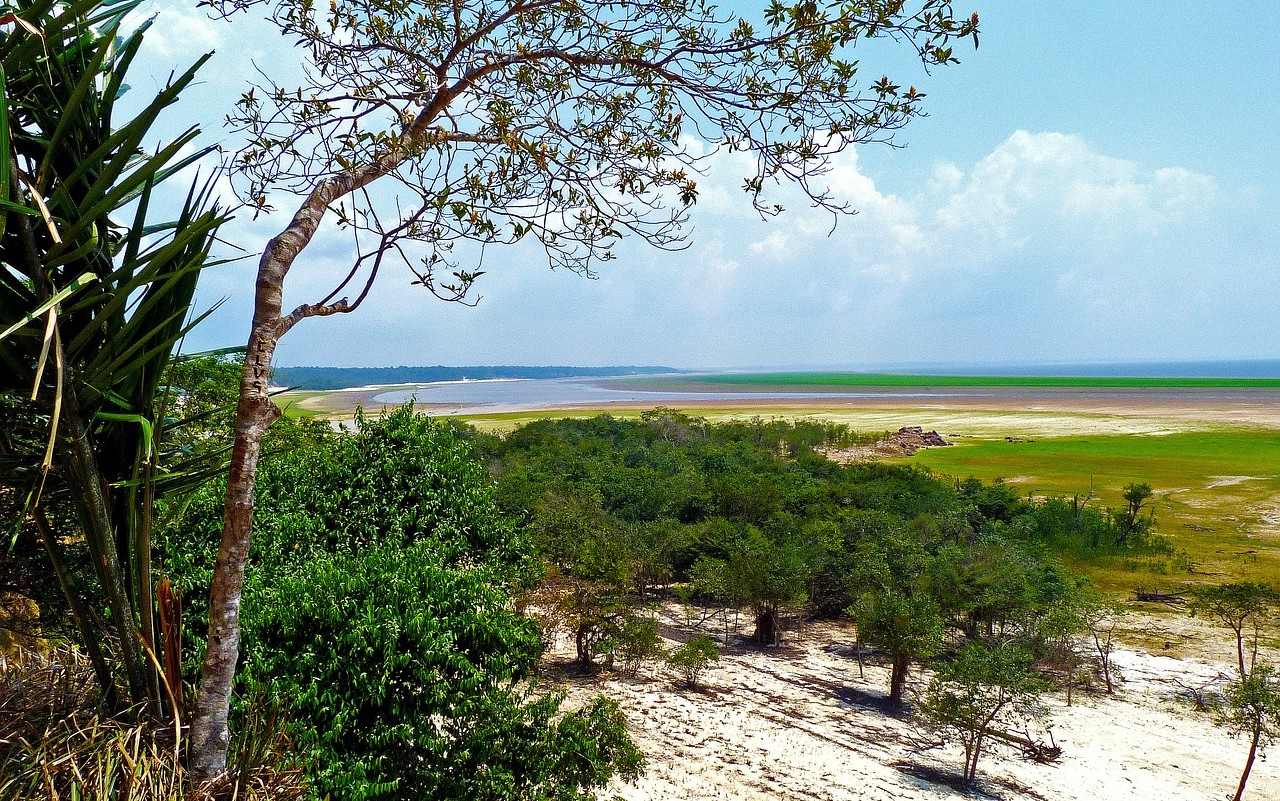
point(254, 414)
point(1248, 765)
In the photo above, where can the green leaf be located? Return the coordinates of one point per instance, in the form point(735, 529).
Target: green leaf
point(61, 295)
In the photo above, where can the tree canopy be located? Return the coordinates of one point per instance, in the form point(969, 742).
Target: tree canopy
point(571, 121)
point(568, 122)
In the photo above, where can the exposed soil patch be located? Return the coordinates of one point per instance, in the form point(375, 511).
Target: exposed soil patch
point(1229, 481)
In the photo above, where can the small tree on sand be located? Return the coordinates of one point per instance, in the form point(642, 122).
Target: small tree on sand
point(1079, 629)
point(693, 658)
point(565, 122)
point(1101, 619)
point(908, 627)
point(1253, 710)
point(1253, 698)
point(976, 692)
point(1242, 607)
point(897, 609)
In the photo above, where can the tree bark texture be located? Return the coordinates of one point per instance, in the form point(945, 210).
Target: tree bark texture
point(255, 412)
point(768, 632)
point(898, 677)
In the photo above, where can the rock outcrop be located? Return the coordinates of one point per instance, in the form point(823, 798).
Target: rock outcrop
point(906, 442)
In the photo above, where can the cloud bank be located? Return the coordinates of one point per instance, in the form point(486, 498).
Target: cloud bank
point(1045, 249)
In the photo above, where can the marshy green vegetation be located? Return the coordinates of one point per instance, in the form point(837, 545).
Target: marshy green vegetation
point(855, 380)
point(1216, 492)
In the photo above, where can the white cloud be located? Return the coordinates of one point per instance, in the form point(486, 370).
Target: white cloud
point(1052, 187)
point(776, 245)
point(180, 30)
point(1044, 248)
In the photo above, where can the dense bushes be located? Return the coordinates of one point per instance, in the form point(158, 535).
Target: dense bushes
point(380, 598)
point(379, 607)
point(749, 515)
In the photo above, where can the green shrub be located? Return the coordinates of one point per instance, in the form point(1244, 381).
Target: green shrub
point(403, 669)
point(691, 659)
point(639, 644)
point(379, 605)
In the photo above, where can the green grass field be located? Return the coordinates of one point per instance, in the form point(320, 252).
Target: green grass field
point(810, 380)
point(291, 403)
point(1217, 492)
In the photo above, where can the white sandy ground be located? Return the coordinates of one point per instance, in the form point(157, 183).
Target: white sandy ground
point(799, 723)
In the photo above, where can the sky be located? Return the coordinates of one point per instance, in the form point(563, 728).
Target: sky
point(1095, 183)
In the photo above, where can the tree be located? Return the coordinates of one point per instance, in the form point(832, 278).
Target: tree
point(908, 627)
point(692, 658)
point(1240, 606)
point(766, 573)
point(1253, 697)
point(1253, 709)
point(90, 311)
point(560, 121)
point(1135, 496)
point(895, 609)
point(590, 556)
point(1101, 619)
point(975, 692)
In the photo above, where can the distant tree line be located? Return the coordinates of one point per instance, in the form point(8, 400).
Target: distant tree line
point(346, 377)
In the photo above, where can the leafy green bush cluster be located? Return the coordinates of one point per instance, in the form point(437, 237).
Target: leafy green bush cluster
point(747, 515)
point(379, 607)
point(746, 511)
point(691, 659)
point(639, 643)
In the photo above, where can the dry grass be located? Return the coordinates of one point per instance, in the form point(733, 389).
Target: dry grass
point(56, 743)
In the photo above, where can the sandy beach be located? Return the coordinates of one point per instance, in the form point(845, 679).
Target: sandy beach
point(799, 722)
point(999, 410)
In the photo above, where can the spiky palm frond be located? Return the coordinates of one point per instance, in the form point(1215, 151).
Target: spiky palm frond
point(91, 307)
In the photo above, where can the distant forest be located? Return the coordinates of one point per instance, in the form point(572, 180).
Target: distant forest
point(346, 377)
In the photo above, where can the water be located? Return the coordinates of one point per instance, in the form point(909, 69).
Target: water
point(509, 395)
point(499, 395)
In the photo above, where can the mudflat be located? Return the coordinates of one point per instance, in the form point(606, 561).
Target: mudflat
point(1065, 410)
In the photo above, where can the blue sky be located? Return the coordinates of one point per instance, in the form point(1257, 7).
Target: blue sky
point(1096, 183)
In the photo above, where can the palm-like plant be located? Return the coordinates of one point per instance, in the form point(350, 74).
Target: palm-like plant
point(90, 312)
